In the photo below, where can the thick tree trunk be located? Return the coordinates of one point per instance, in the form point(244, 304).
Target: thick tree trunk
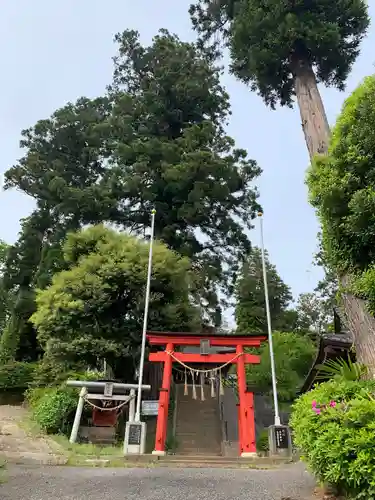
point(314, 120)
point(361, 325)
point(317, 135)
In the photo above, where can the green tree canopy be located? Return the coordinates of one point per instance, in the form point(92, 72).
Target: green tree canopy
point(341, 188)
point(63, 170)
point(3, 292)
point(314, 314)
point(282, 49)
point(155, 140)
point(268, 40)
point(26, 267)
point(95, 308)
point(294, 355)
point(250, 311)
point(3, 253)
point(64, 164)
point(170, 153)
point(342, 184)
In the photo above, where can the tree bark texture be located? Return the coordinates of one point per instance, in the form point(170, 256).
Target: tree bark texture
point(361, 325)
point(315, 127)
point(314, 119)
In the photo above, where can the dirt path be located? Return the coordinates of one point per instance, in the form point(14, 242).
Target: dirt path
point(15, 443)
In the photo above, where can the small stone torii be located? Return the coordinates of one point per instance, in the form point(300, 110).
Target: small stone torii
point(103, 391)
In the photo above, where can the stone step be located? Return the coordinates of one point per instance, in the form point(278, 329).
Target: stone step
point(198, 444)
point(202, 446)
point(198, 430)
point(210, 458)
point(208, 438)
point(201, 414)
point(183, 431)
point(197, 437)
point(206, 415)
point(196, 411)
point(200, 452)
point(201, 404)
point(191, 451)
point(198, 426)
point(197, 434)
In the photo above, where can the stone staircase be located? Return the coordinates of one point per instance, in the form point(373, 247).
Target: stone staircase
point(198, 427)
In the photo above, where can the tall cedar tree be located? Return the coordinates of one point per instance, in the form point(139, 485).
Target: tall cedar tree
point(283, 49)
point(155, 140)
point(250, 309)
point(170, 152)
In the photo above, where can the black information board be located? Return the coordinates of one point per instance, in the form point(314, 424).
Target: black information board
point(135, 432)
point(281, 438)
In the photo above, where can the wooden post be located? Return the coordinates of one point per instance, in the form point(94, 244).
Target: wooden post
point(162, 422)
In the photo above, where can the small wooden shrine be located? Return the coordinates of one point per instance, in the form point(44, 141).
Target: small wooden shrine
point(202, 365)
point(332, 346)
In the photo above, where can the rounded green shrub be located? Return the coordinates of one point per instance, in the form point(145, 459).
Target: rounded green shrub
point(16, 375)
point(294, 355)
point(334, 426)
point(53, 408)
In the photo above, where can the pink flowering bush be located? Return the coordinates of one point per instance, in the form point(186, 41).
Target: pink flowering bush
point(318, 408)
point(334, 427)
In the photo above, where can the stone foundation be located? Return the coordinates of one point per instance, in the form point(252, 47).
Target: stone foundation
point(98, 435)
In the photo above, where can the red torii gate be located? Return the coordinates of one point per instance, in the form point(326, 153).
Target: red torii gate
point(171, 340)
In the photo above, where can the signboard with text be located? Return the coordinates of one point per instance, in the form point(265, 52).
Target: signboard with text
point(135, 433)
point(150, 408)
point(281, 438)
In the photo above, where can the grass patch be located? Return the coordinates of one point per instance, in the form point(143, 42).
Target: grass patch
point(84, 450)
point(87, 450)
point(31, 428)
point(108, 461)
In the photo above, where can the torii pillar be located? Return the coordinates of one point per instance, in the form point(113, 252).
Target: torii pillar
point(162, 422)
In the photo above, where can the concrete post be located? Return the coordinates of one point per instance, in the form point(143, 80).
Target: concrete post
point(132, 406)
point(78, 415)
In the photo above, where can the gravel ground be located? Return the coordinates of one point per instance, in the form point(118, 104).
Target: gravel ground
point(66, 483)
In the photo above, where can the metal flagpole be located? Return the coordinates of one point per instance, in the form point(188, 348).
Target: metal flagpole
point(145, 317)
point(269, 326)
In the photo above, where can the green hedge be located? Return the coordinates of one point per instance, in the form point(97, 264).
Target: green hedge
point(294, 355)
point(16, 375)
point(53, 408)
point(334, 427)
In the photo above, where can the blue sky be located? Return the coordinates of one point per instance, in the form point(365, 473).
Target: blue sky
point(56, 51)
